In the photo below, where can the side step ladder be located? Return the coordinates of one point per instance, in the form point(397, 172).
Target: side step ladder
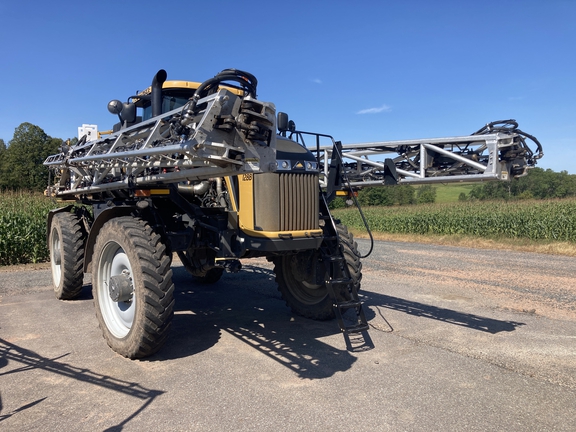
point(346, 303)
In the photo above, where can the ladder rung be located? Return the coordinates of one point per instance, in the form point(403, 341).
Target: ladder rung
point(339, 281)
point(349, 304)
point(356, 328)
point(330, 238)
point(334, 258)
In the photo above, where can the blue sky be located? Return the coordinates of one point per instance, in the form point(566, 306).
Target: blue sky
point(361, 71)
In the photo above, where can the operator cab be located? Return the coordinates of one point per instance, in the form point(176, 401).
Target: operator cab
point(175, 94)
point(161, 97)
point(165, 96)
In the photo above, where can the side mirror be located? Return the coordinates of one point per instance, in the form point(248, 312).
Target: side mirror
point(126, 111)
point(282, 122)
point(115, 106)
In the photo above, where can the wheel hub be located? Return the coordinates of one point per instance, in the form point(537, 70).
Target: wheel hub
point(57, 256)
point(120, 288)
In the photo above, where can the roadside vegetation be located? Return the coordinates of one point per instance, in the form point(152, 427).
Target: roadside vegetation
point(23, 227)
point(532, 220)
point(23, 208)
point(547, 226)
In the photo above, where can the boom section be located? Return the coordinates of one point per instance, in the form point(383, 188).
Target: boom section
point(473, 158)
point(231, 135)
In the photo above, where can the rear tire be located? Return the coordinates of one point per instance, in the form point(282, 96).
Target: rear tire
point(211, 277)
point(137, 325)
point(194, 267)
point(66, 242)
point(301, 279)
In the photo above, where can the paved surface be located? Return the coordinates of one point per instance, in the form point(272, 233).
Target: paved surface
point(464, 340)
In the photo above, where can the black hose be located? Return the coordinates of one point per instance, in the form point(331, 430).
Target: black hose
point(357, 204)
point(247, 82)
point(511, 126)
point(498, 126)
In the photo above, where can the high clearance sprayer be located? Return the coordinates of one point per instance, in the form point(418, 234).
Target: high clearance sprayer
point(211, 173)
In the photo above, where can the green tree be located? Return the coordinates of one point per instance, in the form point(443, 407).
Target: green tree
point(21, 163)
point(337, 202)
point(2, 153)
point(539, 183)
point(547, 184)
point(387, 195)
point(426, 194)
point(404, 194)
point(377, 196)
point(491, 190)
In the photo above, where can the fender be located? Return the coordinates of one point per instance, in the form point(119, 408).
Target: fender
point(51, 214)
point(101, 219)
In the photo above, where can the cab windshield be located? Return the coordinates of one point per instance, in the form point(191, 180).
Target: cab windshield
point(169, 103)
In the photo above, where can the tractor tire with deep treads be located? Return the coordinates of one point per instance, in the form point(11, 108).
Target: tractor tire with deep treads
point(305, 292)
point(136, 324)
point(194, 267)
point(66, 241)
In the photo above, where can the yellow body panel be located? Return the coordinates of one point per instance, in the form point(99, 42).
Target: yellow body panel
point(246, 214)
point(191, 85)
point(246, 207)
point(283, 234)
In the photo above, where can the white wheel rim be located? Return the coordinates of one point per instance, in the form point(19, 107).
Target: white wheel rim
point(118, 316)
point(56, 258)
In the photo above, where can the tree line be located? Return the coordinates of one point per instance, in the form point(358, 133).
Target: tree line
point(537, 184)
point(389, 196)
point(21, 160)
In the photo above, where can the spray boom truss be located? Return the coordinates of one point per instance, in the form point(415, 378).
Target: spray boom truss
point(213, 136)
point(498, 151)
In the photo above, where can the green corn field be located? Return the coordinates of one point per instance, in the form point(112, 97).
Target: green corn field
point(23, 222)
point(23, 227)
point(553, 220)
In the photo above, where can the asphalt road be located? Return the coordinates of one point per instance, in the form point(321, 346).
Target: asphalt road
point(464, 340)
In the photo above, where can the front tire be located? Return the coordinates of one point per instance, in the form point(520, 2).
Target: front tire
point(130, 254)
point(66, 242)
point(301, 279)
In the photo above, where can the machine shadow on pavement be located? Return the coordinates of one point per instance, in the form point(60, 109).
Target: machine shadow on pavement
point(30, 360)
point(450, 316)
point(249, 307)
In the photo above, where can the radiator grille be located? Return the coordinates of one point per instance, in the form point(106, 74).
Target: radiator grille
point(286, 201)
point(298, 201)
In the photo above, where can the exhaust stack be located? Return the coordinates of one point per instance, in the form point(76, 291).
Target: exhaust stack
point(157, 82)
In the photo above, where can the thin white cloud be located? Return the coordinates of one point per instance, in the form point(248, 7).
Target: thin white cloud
point(515, 98)
point(317, 81)
point(383, 108)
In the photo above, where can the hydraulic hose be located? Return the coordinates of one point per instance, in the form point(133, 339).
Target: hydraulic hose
point(511, 126)
point(359, 207)
point(247, 82)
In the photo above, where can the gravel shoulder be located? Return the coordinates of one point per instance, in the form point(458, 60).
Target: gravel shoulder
point(515, 310)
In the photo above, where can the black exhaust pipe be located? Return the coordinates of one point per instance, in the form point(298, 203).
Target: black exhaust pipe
point(157, 82)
